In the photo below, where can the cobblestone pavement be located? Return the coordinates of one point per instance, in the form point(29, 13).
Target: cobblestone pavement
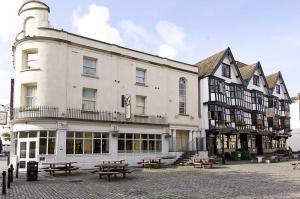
point(277, 180)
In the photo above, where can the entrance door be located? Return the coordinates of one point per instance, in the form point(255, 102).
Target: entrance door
point(27, 152)
point(259, 145)
point(244, 141)
point(182, 140)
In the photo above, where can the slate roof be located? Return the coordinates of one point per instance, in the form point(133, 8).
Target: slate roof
point(246, 70)
point(272, 79)
point(207, 66)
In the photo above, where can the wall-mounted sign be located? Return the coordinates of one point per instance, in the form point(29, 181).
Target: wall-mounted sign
point(3, 117)
point(127, 107)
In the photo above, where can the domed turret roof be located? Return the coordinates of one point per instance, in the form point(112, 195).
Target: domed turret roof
point(33, 4)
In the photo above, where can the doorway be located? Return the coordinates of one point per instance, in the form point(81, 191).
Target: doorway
point(259, 145)
point(27, 151)
point(182, 140)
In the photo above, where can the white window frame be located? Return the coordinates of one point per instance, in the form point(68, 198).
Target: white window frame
point(89, 59)
point(140, 77)
point(27, 61)
point(33, 98)
point(137, 106)
point(182, 97)
point(89, 99)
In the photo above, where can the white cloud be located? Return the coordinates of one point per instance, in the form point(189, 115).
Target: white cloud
point(94, 24)
point(9, 22)
point(170, 33)
point(167, 51)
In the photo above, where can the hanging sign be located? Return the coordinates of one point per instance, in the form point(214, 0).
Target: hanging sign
point(3, 117)
point(127, 107)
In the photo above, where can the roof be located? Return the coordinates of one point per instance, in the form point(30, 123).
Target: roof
point(272, 80)
point(246, 70)
point(206, 67)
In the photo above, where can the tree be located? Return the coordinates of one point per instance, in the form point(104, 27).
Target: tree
point(6, 136)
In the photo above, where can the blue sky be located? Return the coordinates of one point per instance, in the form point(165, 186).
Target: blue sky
point(189, 31)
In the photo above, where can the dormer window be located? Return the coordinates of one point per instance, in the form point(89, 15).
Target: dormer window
point(277, 89)
point(226, 70)
point(256, 80)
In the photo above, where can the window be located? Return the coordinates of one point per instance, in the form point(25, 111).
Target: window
point(259, 98)
point(182, 96)
point(239, 93)
point(30, 59)
point(140, 105)
point(226, 70)
point(47, 142)
point(87, 142)
point(89, 99)
point(140, 76)
point(139, 143)
point(278, 89)
point(256, 80)
point(30, 98)
point(89, 66)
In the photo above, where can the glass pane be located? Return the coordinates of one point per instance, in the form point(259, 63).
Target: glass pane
point(23, 149)
point(88, 148)
point(78, 134)
point(97, 135)
point(151, 136)
point(137, 146)
point(88, 135)
point(91, 63)
point(151, 146)
point(23, 134)
point(105, 146)
point(70, 134)
point(43, 146)
point(137, 136)
point(144, 136)
point(32, 147)
point(105, 135)
point(144, 146)
point(89, 93)
point(158, 136)
point(129, 146)
point(129, 136)
point(158, 145)
point(51, 145)
point(121, 135)
point(32, 60)
point(43, 134)
point(78, 146)
point(97, 146)
point(32, 134)
point(70, 146)
point(89, 71)
point(52, 134)
point(121, 146)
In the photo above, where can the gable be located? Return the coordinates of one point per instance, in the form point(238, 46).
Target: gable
point(235, 75)
point(283, 92)
point(263, 87)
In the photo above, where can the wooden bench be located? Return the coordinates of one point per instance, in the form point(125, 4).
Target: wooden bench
point(65, 169)
point(197, 162)
point(107, 173)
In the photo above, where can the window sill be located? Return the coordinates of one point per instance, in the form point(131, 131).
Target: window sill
point(91, 76)
point(185, 115)
point(30, 69)
point(136, 115)
point(140, 84)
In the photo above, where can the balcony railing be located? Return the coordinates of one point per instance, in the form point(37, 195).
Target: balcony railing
point(48, 112)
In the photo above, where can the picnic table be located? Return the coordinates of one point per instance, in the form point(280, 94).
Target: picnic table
point(59, 166)
point(203, 162)
point(110, 169)
point(112, 161)
point(151, 162)
point(296, 164)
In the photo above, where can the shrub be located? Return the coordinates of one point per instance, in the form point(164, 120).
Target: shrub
point(246, 155)
point(235, 156)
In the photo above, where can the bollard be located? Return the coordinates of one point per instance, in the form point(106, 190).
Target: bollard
point(17, 171)
point(3, 183)
point(8, 178)
point(12, 173)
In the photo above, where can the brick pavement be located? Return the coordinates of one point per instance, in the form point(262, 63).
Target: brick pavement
point(231, 181)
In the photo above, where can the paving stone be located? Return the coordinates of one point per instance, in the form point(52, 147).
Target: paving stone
point(230, 181)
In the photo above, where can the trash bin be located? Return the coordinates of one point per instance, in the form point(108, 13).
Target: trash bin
point(32, 170)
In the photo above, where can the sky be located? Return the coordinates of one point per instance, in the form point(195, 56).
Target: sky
point(267, 31)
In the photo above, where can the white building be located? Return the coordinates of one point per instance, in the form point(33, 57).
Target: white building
point(294, 141)
point(70, 95)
